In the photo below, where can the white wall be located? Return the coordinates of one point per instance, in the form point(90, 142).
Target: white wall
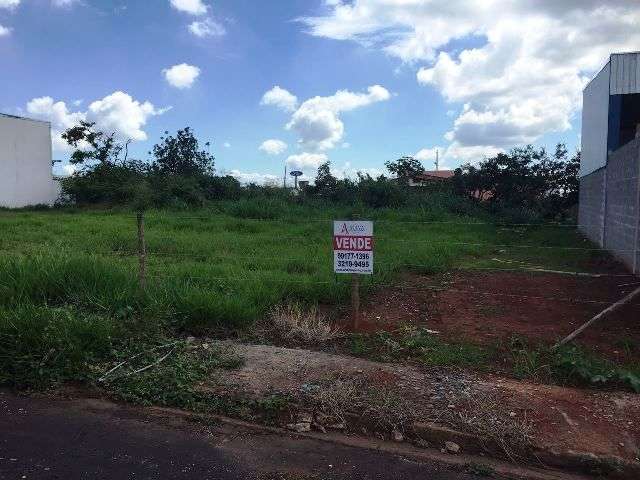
point(25, 163)
point(595, 123)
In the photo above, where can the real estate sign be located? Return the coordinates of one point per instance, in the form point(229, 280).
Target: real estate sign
point(353, 247)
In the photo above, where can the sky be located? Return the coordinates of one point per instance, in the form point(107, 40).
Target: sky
point(301, 82)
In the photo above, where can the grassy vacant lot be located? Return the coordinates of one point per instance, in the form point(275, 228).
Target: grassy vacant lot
point(70, 305)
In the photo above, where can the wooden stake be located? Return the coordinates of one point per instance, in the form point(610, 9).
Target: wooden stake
point(142, 252)
point(355, 300)
point(602, 314)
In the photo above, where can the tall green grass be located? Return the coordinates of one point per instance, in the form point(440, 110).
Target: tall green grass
point(69, 277)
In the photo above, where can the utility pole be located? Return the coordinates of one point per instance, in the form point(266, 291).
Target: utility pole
point(284, 182)
point(437, 159)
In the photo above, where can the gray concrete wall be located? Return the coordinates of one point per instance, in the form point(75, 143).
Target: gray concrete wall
point(609, 213)
point(591, 210)
point(621, 214)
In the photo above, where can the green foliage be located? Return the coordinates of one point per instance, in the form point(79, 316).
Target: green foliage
point(381, 193)
point(480, 469)
point(171, 382)
point(181, 155)
point(106, 183)
point(525, 179)
point(93, 146)
point(574, 364)
point(42, 345)
point(419, 345)
point(73, 272)
point(405, 168)
point(569, 364)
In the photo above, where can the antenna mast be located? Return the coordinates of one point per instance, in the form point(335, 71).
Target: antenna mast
point(437, 160)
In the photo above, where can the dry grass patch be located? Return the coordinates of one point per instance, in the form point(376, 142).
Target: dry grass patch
point(484, 415)
point(343, 400)
point(293, 322)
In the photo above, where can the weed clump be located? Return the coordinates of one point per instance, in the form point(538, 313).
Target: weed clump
point(293, 322)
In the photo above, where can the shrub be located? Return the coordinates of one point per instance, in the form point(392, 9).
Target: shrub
point(43, 345)
point(104, 183)
point(381, 193)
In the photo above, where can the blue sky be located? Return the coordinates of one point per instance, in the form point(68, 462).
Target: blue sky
point(413, 75)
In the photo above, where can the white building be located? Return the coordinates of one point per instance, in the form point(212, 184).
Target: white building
point(26, 176)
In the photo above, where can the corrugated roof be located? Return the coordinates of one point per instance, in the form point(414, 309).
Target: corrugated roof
point(16, 117)
point(436, 174)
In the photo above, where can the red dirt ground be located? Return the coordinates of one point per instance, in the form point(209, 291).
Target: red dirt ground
point(486, 307)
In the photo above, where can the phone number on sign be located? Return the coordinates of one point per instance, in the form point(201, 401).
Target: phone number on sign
point(354, 256)
point(353, 264)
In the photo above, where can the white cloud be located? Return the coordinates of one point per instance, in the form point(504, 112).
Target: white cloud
point(4, 31)
point(273, 147)
point(281, 98)
point(207, 28)
point(523, 76)
point(63, 3)
point(121, 114)
point(317, 121)
point(9, 3)
point(454, 155)
point(181, 76)
point(257, 178)
point(428, 156)
point(192, 7)
point(347, 171)
point(45, 108)
point(306, 161)
point(226, 145)
point(118, 113)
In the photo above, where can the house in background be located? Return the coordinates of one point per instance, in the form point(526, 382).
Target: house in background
point(609, 211)
point(26, 176)
point(429, 177)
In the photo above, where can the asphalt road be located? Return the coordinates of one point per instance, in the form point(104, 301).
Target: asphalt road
point(43, 438)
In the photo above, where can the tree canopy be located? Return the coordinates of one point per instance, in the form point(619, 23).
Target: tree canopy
point(405, 168)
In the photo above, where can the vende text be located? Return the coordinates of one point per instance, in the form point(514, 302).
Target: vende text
point(353, 243)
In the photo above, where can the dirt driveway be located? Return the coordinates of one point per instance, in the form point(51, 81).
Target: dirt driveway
point(488, 307)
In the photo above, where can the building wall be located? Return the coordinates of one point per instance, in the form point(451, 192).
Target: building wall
point(595, 123)
point(625, 73)
point(25, 163)
point(622, 214)
point(591, 209)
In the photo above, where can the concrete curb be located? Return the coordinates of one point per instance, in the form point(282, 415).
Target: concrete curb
point(405, 449)
point(580, 462)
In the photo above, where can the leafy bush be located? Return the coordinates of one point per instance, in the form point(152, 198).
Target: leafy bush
point(41, 346)
point(525, 179)
point(569, 364)
point(104, 183)
point(574, 363)
point(380, 193)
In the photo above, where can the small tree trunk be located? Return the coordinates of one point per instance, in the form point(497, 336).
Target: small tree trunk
point(142, 252)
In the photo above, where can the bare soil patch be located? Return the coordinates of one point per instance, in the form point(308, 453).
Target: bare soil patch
point(489, 307)
point(563, 419)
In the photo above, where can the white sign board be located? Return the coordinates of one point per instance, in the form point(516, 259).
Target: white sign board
point(353, 247)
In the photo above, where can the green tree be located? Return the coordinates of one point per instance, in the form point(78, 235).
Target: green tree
point(405, 168)
point(94, 145)
point(325, 183)
point(524, 178)
point(181, 155)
